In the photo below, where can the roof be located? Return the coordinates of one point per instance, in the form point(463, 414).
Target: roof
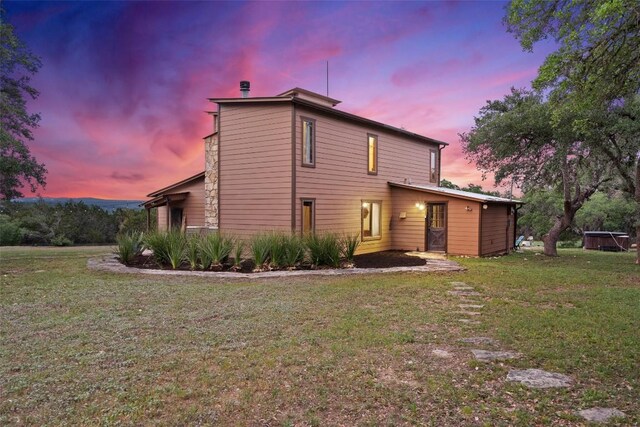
point(297, 90)
point(164, 199)
point(177, 184)
point(459, 194)
point(289, 96)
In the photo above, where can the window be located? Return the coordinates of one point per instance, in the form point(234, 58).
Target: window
point(308, 142)
point(371, 212)
point(308, 216)
point(372, 153)
point(433, 166)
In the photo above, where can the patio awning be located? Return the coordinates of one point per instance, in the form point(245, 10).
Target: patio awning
point(165, 199)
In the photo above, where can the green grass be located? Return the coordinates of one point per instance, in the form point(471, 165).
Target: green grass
point(92, 348)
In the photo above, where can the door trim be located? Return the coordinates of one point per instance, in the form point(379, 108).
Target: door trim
point(446, 226)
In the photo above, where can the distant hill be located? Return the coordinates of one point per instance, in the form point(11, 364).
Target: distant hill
point(107, 205)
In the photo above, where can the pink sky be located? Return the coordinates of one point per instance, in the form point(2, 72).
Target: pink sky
point(124, 85)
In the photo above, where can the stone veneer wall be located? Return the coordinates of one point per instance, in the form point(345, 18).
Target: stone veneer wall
point(211, 182)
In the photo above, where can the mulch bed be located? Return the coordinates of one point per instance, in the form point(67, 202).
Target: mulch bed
point(384, 259)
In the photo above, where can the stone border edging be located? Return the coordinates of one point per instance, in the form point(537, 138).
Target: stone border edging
point(111, 264)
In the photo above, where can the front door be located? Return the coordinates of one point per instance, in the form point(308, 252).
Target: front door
point(436, 227)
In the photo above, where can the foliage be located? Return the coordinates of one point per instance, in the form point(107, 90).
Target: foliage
point(41, 222)
point(61, 240)
point(599, 55)
point(518, 138)
point(215, 249)
point(192, 251)
point(17, 66)
point(294, 250)
point(10, 232)
point(238, 250)
point(324, 249)
point(348, 245)
point(132, 220)
point(260, 246)
point(472, 188)
point(129, 245)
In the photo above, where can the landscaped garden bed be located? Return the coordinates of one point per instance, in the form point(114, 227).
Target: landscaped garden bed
point(265, 252)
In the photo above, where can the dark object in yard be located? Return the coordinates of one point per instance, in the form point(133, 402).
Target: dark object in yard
point(611, 241)
point(387, 259)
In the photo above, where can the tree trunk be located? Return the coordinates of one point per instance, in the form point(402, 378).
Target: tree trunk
point(562, 223)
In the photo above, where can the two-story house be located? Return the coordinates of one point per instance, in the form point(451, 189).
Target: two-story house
point(294, 162)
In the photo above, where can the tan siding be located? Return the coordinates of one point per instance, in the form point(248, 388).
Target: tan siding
point(495, 239)
point(255, 168)
point(340, 181)
point(409, 233)
point(192, 206)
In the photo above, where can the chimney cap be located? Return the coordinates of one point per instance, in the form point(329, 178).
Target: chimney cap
point(245, 85)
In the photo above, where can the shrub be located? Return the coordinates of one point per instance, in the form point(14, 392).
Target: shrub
point(214, 250)
point(349, 243)
point(324, 249)
point(192, 251)
point(129, 245)
point(10, 232)
point(61, 240)
point(260, 247)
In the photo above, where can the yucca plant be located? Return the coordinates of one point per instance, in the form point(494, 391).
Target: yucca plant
point(349, 243)
point(176, 243)
point(324, 249)
point(192, 251)
point(156, 241)
point(238, 249)
point(129, 246)
point(277, 249)
point(214, 250)
point(260, 247)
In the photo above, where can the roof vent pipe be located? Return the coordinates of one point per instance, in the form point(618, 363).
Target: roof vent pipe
point(244, 88)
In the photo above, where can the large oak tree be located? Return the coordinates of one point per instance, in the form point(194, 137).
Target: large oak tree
point(17, 165)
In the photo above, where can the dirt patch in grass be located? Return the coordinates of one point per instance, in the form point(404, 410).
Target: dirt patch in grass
point(385, 259)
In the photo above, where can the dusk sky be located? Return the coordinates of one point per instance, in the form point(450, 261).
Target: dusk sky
point(124, 85)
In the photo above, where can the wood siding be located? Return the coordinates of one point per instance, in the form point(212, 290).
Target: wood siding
point(340, 182)
point(496, 237)
point(409, 233)
point(255, 168)
point(192, 206)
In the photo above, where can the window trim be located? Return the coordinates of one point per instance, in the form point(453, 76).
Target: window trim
point(433, 178)
point(313, 214)
point(304, 119)
point(362, 236)
point(375, 138)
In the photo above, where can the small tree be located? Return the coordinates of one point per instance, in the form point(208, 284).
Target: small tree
point(17, 65)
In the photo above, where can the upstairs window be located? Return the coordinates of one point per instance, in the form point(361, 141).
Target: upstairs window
point(371, 212)
point(308, 142)
point(433, 166)
point(372, 154)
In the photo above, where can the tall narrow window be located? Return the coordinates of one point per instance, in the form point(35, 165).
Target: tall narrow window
point(308, 142)
point(372, 153)
point(433, 166)
point(308, 216)
point(371, 212)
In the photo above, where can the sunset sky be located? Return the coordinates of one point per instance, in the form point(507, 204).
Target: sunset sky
point(124, 85)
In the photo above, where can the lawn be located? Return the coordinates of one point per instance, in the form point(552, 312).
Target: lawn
point(91, 348)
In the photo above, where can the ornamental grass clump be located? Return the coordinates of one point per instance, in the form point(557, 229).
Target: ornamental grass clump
point(129, 245)
point(156, 241)
point(294, 251)
point(214, 250)
point(324, 249)
point(176, 244)
point(260, 246)
point(192, 251)
point(349, 243)
point(238, 249)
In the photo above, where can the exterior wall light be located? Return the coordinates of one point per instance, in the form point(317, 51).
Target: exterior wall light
point(485, 206)
point(468, 208)
point(420, 206)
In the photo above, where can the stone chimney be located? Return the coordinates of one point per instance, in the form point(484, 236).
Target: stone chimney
point(211, 168)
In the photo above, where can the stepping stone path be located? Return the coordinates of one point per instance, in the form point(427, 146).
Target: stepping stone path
point(469, 313)
point(469, 321)
point(465, 293)
point(471, 305)
point(601, 415)
point(490, 356)
point(537, 378)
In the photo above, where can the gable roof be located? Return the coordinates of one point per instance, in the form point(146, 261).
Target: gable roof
point(458, 194)
point(290, 96)
point(177, 184)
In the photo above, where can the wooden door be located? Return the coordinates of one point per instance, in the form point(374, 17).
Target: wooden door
point(436, 227)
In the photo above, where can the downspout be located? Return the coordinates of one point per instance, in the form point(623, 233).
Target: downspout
point(293, 168)
point(440, 148)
